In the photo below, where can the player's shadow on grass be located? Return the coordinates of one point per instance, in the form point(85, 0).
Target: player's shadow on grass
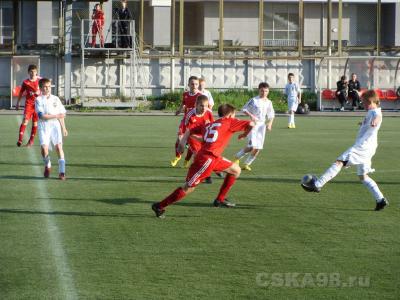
point(116, 146)
point(28, 163)
point(109, 166)
point(24, 177)
point(73, 213)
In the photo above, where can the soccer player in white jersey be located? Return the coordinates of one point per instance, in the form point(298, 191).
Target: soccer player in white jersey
point(293, 94)
point(258, 109)
point(202, 89)
point(360, 154)
point(52, 128)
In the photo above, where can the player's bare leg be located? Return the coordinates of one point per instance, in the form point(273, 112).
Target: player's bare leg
point(252, 156)
point(46, 159)
point(61, 162)
point(22, 131)
point(232, 173)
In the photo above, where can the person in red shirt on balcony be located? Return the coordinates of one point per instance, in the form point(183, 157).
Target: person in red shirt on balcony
point(97, 25)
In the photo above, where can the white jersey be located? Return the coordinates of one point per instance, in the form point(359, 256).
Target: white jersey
point(209, 96)
point(292, 90)
point(49, 106)
point(366, 143)
point(49, 130)
point(261, 109)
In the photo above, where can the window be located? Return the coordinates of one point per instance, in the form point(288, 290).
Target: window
point(281, 24)
point(6, 22)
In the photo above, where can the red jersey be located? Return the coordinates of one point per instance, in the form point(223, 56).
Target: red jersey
point(189, 101)
point(197, 124)
point(31, 89)
point(98, 17)
point(218, 134)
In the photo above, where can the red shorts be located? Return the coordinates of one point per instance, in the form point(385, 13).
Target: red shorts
point(30, 113)
point(203, 166)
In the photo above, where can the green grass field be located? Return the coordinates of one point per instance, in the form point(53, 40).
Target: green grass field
point(94, 236)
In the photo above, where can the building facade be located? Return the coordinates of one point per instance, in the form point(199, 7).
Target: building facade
point(233, 44)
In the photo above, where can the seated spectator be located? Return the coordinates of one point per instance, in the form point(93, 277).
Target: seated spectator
point(354, 90)
point(341, 91)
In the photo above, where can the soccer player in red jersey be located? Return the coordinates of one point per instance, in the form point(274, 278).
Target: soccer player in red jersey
point(188, 103)
point(30, 87)
point(210, 159)
point(97, 25)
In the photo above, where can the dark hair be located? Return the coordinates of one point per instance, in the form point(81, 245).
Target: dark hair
point(371, 96)
point(32, 67)
point(43, 81)
point(225, 109)
point(263, 85)
point(201, 98)
point(193, 78)
point(343, 77)
point(290, 74)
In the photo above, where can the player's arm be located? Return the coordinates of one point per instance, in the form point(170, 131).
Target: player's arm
point(63, 127)
point(183, 141)
point(246, 130)
point(21, 92)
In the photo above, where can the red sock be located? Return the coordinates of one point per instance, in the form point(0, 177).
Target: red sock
point(33, 133)
point(21, 132)
point(175, 196)
point(189, 154)
point(177, 154)
point(226, 186)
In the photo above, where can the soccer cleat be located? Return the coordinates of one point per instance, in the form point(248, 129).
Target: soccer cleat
point(293, 126)
point(186, 164)
point(310, 186)
point(246, 168)
point(61, 176)
point(175, 161)
point(289, 125)
point(46, 173)
point(19, 143)
point(158, 211)
point(208, 180)
point(381, 204)
point(223, 204)
point(236, 161)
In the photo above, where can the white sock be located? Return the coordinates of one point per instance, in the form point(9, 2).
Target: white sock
point(61, 165)
point(328, 175)
point(291, 118)
point(373, 188)
point(241, 154)
point(47, 162)
point(250, 159)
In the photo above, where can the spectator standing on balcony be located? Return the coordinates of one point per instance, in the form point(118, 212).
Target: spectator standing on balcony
point(124, 16)
point(354, 90)
point(341, 91)
point(97, 25)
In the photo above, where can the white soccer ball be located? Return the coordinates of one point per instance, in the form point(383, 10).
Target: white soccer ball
point(306, 179)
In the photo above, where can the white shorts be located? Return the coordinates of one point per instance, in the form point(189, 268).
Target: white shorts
point(256, 136)
point(359, 158)
point(50, 134)
point(292, 105)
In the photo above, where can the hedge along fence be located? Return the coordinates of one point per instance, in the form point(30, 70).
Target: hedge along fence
point(236, 97)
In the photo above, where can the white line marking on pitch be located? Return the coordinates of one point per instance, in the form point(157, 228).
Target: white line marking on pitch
point(64, 274)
